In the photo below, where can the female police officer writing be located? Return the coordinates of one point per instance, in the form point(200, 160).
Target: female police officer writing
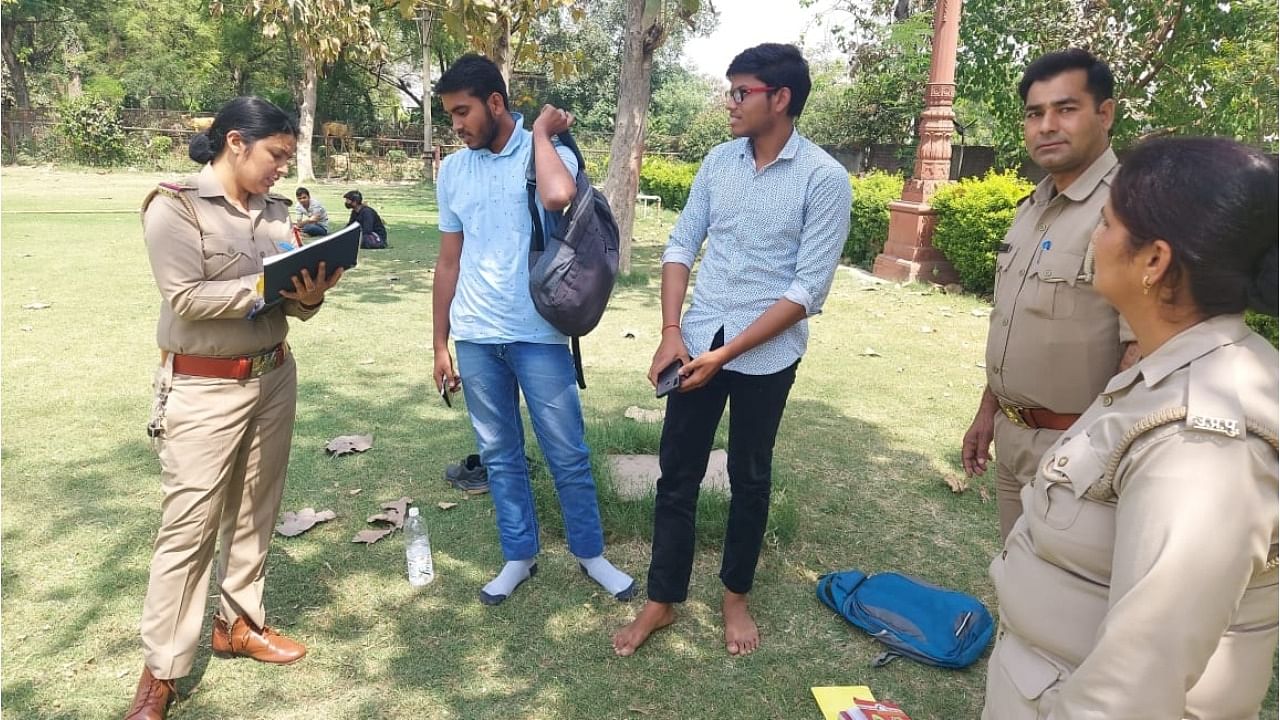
point(1141, 580)
point(225, 394)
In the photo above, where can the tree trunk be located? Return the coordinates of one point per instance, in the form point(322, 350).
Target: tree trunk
point(428, 144)
point(13, 66)
point(626, 152)
point(307, 113)
point(74, 57)
point(502, 48)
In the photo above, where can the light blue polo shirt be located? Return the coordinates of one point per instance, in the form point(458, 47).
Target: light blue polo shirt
point(482, 195)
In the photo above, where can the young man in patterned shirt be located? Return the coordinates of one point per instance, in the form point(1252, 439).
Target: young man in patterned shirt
point(773, 211)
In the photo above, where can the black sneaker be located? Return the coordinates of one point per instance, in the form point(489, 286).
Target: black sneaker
point(468, 476)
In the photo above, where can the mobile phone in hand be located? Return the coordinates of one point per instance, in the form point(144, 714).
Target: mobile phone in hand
point(444, 393)
point(669, 378)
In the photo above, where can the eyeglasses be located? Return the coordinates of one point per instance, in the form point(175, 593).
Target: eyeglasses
point(739, 94)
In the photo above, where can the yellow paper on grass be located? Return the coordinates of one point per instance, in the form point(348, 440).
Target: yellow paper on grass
point(831, 700)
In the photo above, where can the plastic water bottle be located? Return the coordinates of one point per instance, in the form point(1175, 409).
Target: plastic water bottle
point(417, 550)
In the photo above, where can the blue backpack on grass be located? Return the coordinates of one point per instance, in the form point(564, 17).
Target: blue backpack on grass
point(916, 619)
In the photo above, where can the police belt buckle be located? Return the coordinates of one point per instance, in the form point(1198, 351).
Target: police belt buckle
point(1014, 413)
point(265, 363)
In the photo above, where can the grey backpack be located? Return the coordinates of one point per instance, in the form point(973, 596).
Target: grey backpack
point(572, 265)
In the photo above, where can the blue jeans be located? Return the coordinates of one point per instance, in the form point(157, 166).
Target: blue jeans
point(493, 376)
point(314, 229)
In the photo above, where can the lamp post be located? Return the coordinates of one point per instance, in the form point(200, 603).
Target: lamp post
point(909, 254)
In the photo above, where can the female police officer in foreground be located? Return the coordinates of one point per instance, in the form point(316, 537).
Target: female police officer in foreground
point(225, 394)
point(1141, 580)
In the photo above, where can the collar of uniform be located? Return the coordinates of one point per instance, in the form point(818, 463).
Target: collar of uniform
point(1196, 341)
point(788, 152)
point(207, 183)
point(1083, 187)
point(209, 186)
point(513, 142)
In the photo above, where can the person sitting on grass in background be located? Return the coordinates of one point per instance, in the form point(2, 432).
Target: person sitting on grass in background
point(312, 219)
point(373, 234)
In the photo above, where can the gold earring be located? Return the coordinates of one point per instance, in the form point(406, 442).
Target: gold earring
point(1146, 284)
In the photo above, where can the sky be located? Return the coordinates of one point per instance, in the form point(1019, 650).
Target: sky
point(744, 23)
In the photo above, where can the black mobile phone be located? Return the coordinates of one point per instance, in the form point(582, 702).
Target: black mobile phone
point(444, 393)
point(669, 378)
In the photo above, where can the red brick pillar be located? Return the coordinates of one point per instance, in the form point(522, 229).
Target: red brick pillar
point(909, 254)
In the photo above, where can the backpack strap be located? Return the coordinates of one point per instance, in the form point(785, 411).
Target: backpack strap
point(538, 243)
point(577, 363)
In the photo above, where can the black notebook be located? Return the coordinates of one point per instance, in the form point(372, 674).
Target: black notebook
point(337, 250)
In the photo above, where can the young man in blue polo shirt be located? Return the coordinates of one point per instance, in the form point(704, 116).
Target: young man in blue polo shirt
point(505, 348)
point(773, 211)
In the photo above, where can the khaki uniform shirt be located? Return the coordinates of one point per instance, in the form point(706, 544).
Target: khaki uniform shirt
point(206, 257)
point(1154, 596)
point(1053, 342)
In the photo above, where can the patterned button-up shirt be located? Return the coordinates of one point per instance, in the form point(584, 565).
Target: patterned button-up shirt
point(770, 234)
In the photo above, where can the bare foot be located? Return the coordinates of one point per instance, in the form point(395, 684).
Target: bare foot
point(653, 617)
point(741, 636)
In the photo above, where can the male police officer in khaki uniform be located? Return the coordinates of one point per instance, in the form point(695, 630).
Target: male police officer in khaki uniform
point(1053, 341)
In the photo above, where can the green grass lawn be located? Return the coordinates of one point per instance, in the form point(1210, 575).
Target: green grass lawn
point(860, 468)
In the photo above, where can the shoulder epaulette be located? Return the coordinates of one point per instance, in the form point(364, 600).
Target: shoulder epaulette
point(1213, 406)
point(176, 190)
point(288, 201)
point(1024, 198)
point(173, 188)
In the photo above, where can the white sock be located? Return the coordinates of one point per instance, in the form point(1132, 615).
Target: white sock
point(513, 573)
point(613, 580)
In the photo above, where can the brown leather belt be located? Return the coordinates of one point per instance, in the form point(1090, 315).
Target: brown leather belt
point(1037, 418)
point(231, 368)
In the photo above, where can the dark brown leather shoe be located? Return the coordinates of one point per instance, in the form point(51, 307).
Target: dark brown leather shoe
point(244, 640)
point(152, 699)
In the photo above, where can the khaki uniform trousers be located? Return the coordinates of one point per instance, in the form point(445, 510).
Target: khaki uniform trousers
point(1018, 453)
point(223, 456)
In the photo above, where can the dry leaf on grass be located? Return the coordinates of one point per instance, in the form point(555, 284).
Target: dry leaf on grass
point(393, 513)
point(869, 352)
point(446, 505)
point(295, 523)
point(983, 495)
point(957, 483)
point(370, 537)
point(347, 444)
point(36, 306)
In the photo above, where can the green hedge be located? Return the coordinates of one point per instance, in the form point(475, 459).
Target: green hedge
point(1264, 325)
point(869, 218)
point(92, 130)
point(668, 179)
point(973, 217)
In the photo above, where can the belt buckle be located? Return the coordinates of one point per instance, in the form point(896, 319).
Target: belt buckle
point(1014, 414)
point(263, 364)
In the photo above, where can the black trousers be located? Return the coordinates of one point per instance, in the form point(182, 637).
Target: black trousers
point(756, 403)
